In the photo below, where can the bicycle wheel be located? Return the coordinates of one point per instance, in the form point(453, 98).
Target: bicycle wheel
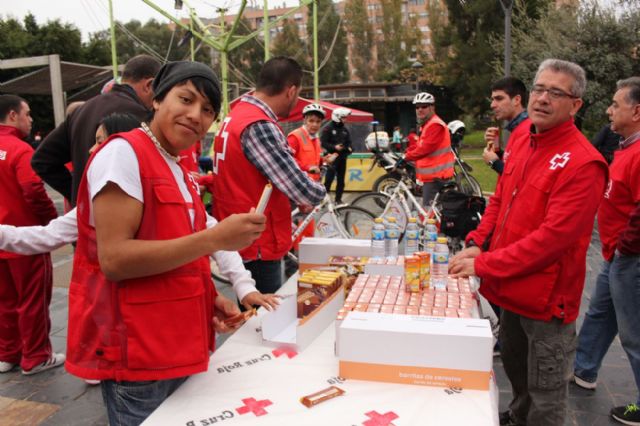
point(374, 202)
point(467, 184)
point(377, 203)
point(357, 221)
point(386, 183)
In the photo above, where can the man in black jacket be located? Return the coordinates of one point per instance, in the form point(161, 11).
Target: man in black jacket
point(71, 140)
point(335, 138)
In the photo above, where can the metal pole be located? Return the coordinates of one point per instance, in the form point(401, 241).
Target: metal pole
point(114, 57)
point(224, 70)
point(266, 30)
point(507, 7)
point(316, 89)
point(56, 88)
point(192, 41)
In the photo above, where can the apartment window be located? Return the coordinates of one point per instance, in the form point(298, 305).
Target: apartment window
point(424, 29)
point(297, 16)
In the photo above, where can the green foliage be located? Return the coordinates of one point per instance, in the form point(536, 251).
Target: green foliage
point(604, 44)
point(361, 30)
point(288, 43)
point(332, 43)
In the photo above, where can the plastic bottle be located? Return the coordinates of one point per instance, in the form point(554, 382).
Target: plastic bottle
point(440, 264)
point(430, 232)
point(392, 235)
point(378, 238)
point(411, 236)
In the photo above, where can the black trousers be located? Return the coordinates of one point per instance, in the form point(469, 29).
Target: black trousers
point(337, 170)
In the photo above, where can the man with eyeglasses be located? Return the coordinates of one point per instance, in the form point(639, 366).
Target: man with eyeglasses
point(538, 227)
point(613, 308)
point(432, 154)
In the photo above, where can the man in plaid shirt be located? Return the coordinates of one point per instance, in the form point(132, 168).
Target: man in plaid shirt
point(250, 151)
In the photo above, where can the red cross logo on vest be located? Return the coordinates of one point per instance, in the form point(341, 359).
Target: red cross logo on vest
point(559, 160)
point(256, 407)
point(283, 350)
point(377, 419)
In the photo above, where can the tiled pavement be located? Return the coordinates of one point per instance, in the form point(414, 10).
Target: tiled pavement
point(57, 398)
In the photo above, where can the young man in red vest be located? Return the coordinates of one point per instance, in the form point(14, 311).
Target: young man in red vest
point(508, 98)
point(250, 151)
point(538, 226)
point(615, 305)
point(143, 310)
point(25, 281)
point(432, 154)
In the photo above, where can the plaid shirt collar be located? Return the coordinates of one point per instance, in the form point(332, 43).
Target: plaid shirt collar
point(630, 140)
point(260, 104)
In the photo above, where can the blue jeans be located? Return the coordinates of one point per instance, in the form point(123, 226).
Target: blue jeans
point(130, 403)
point(614, 308)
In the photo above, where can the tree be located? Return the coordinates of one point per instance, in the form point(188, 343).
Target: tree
point(467, 36)
point(391, 48)
point(246, 61)
point(604, 44)
point(332, 43)
point(361, 32)
point(288, 43)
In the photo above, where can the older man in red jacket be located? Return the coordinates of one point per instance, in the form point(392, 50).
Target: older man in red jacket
point(25, 281)
point(538, 226)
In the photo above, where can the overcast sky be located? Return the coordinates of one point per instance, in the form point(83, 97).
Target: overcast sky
point(93, 15)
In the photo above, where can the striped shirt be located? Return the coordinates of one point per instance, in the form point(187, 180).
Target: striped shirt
point(266, 147)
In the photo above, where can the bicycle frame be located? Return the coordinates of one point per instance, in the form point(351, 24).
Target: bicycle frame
point(403, 194)
point(338, 227)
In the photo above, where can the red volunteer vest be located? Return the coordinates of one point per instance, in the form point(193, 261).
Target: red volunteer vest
point(439, 163)
point(556, 290)
point(151, 328)
point(238, 186)
point(308, 152)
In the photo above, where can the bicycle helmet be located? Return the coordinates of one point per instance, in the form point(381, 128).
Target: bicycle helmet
point(424, 98)
point(317, 108)
point(456, 125)
point(339, 114)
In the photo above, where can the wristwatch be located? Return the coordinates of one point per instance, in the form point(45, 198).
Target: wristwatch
point(491, 163)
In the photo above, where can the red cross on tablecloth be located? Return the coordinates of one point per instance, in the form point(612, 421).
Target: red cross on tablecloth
point(283, 350)
point(377, 419)
point(256, 407)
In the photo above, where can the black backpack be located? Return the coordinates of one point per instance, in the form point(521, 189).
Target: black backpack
point(461, 213)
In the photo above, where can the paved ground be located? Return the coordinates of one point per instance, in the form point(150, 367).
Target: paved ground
point(57, 398)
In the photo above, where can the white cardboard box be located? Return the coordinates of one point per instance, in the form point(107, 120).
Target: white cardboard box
point(283, 328)
point(316, 251)
point(415, 350)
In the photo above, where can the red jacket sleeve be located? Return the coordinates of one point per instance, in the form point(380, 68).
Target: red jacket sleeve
point(427, 143)
point(629, 240)
point(33, 189)
point(570, 210)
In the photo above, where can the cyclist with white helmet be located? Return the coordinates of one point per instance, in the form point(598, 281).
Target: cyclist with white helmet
point(336, 139)
point(432, 154)
point(304, 141)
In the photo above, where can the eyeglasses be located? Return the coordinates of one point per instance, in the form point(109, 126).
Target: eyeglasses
point(423, 106)
point(554, 93)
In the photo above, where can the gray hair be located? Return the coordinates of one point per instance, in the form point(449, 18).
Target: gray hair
point(572, 69)
point(633, 83)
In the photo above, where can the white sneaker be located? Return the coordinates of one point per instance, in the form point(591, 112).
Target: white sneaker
point(92, 382)
point(56, 360)
point(5, 367)
point(583, 383)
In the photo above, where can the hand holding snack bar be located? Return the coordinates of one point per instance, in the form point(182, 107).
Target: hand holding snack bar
point(225, 309)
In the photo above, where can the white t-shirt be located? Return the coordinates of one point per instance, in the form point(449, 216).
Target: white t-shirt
point(117, 163)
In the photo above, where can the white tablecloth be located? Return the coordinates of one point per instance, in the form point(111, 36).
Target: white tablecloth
point(250, 383)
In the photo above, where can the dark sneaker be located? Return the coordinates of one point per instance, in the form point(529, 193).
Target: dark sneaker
point(584, 384)
point(496, 349)
point(55, 360)
point(506, 419)
point(627, 414)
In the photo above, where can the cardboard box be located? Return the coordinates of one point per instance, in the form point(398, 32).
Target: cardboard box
point(415, 350)
point(313, 252)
